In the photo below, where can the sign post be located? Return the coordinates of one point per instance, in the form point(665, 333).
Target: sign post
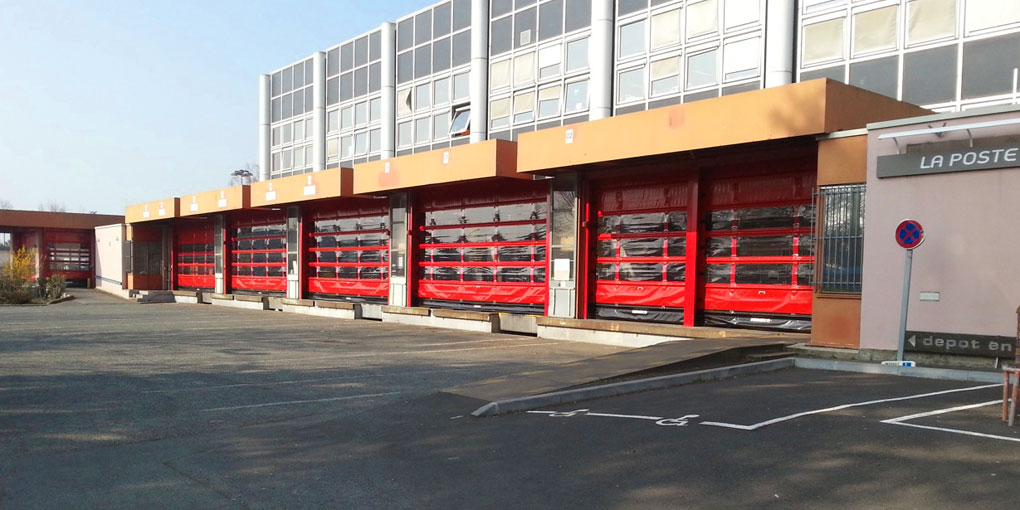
point(909, 235)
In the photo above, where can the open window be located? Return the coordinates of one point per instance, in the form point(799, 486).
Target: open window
point(461, 123)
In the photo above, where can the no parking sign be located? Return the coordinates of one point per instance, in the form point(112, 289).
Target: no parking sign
point(909, 234)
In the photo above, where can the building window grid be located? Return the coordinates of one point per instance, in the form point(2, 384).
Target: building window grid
point(284, 149)
point(846, 10)
point(683, 47)
point(563, 79)
point(417, 116)
point(349, 131)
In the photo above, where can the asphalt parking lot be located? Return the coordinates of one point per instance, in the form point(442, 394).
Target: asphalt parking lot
point(115, 405)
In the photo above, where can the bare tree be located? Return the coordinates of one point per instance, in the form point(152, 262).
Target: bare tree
point(53, 206)
point(247, 174)
point(6, 204)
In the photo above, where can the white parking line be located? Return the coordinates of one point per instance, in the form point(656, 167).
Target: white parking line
point(773, 421)
point(902, 419)
point(291, 402)
point(659, 420)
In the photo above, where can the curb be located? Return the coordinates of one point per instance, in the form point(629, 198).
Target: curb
point(611, 390)
point(921, 372)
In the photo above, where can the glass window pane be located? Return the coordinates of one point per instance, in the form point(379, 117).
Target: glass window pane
point(461, 122)
point(740, 59)
point(876, 75)
point(346, 146)
point(374, 140)
point(461, 48)
point(926, 77)
point(550, 19)
point(549, 102)
point(422, 97)
point(632, 39)
point(361, 51)
point(423, 61)
point(374, 46)
point(347, 57)
point(288, 80)
point(423, 27)
point(332, 90)
point(665, 76)
point(441, 55)
point(578, 15)
point(460, 86)
point(524, 68)
point(499, 112)
point(549, 61)
point(577, 54)
point(404, 134)
point(524, 27)
point(405, 34)
point(629, 6)
point(404, 101)
point(360, 114)
point(360, 82)
point(374, 77)
point(524, 107)
point(576, 97)
point(461, 14)
point(740, 12)
point(702, 18)
point(701, 69)
point(421, 130)
point(441, 91)
point(928, 20)
point(346, 86)
point(500, 36)
point(499, 75)
point(441, 20)
point(666, 28)
point(374, 107)
point(875, 30)
point(631, 86)
point(405, 66)
point(988, 66)
point(360, 143)
point(500, 7)
point(823, 41)
point(983, 14)
point(441, 125)
point(332, 148)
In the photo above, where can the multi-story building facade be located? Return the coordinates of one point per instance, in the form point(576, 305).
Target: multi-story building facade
point(463, 70)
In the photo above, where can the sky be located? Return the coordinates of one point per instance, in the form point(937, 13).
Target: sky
point(108, 103)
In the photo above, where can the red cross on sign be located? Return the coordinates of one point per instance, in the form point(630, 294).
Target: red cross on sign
point(909, 234)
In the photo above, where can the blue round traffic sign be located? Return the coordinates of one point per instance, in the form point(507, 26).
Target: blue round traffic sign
point(909, 234)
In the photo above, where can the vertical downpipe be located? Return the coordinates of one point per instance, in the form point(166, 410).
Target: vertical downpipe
point(600, 59)
point(319, 111)
point(479, 70)
point(780, 17)
point(388, 108)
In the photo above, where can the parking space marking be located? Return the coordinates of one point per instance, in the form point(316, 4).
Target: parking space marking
point(773, 421)
point(659, 420)
point(292, 402)
point(902, 419)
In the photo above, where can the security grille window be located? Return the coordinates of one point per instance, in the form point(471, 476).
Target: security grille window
point(353, 100)
point(292, 91)
point(914, 50)
point(538, 53)
point(684, 50)
point(433, 60)
point(842, 236)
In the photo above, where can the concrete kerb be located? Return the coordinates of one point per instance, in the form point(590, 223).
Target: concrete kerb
point(667, 381)
point(622, 388)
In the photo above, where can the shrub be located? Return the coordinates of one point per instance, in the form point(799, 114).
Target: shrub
point(53, 287)
point(15, 277)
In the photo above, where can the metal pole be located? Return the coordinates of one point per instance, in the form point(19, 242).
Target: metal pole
point(904, 305)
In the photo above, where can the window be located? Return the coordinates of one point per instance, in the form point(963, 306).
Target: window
point(499, 112)
point(665, 76)
point(299, 158)
point(499, 75)
point(578, 14)
point(441, 125)
point(421, 130)
point(549, 61)
point(360, 114)
point(332, 147)
point(276, 136)
point(988, 66)
point(441, 92)
point(576, 97)
point(550, 19)
point(404, 134)
point(524, 68)
point(740, 59)
point(702, 18)
point(740, 12)
point(347, 118)
point(877, 75)
point(823, 41)
point(983, 14)
point(701, 69)
point(631, 85)
point(461, 123)
point(524, 107)
point(524, 27)
point(374, 140)
point(928, 20)
point(842, 238)
point(360, 143)
point(875, 30)
point(403, 101)
point(577, 54)
point(331, 121)
point(926, 78)
point(665, 29)
point(374, 107)
point(549, 102)
point(422, 97)
point(632, 39)
point(461, 86)
point(288, 133)
point(347, 146)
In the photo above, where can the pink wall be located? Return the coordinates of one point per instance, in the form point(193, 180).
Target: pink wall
point(971, 252)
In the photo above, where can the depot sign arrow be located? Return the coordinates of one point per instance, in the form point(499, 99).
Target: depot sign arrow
point(960, 343)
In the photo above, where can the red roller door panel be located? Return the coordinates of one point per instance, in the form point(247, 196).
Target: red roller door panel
point(258, 243)
point(348, 250)
point(194, 256)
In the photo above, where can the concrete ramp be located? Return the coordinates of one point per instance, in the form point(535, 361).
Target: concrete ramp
point(676, 356)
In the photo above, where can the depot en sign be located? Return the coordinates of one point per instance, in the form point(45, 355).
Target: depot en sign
point(924, 163)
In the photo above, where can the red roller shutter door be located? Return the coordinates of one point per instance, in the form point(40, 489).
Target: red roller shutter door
point(483, 246)
point(68, 253)
point(759, 251)
point(640, 265)
point(195, 258)
point(258, 243)
point(348, 251)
